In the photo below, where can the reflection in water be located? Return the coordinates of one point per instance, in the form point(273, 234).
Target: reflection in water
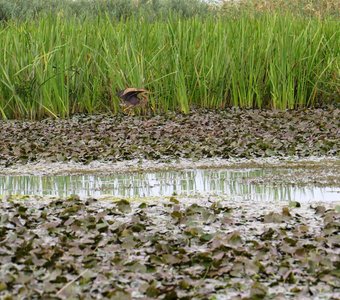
point(187, 182)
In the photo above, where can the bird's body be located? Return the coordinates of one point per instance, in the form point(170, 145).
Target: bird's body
point(131, 99)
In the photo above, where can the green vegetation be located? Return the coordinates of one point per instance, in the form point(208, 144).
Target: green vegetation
point(118, 9)
point(61, 64)
point(303, 8)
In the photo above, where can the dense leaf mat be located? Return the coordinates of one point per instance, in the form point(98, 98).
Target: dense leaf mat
point(200, 134)
point(207, 249)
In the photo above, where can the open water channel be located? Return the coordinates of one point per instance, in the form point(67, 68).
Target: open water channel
point(248, 184)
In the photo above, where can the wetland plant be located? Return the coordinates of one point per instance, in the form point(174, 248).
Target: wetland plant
point(59, 65)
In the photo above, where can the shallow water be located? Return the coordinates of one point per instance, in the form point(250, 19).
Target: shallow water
point(249, 184)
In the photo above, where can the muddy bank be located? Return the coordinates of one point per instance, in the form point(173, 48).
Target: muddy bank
point(200, 134)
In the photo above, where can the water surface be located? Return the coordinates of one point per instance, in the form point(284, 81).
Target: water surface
point(247, 183)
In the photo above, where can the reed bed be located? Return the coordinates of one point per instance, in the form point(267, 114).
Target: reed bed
point(58, 66)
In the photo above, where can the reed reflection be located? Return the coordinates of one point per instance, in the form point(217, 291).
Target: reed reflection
point(244, 183)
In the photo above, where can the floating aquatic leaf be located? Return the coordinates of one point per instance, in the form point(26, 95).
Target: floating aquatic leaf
point(294, 204)
point(273, 217)
point(258, 291)
point(101, 252)
point(123, 205)
point(201, 134)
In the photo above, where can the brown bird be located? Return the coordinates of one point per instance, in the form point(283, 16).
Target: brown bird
point(133, 97)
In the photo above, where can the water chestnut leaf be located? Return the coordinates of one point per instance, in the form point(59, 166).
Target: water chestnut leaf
point(152, 291)
point(174, 200)
point(226, 134)
point(123, 206)
point(258, 291)
point(294, 204)
point(273, 217)
point(146, 252)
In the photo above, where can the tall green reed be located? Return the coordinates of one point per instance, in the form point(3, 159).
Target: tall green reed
point(58, 66)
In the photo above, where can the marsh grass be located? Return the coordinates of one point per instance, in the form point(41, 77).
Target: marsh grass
point(57, 66)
